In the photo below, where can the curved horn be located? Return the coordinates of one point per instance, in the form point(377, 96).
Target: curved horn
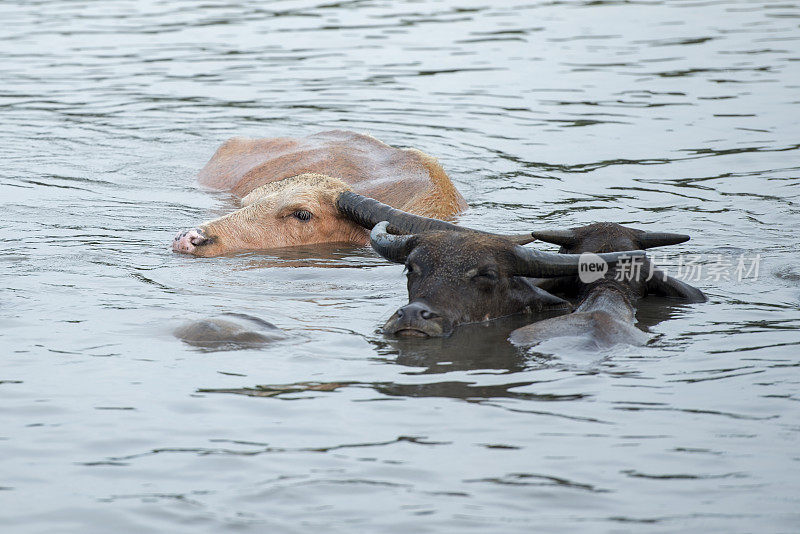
point(368, 212)
point(564, 238)
point(392, 247)
point(537, 264)
point(660, 239)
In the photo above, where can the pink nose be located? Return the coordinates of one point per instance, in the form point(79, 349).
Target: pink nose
point(187, 241)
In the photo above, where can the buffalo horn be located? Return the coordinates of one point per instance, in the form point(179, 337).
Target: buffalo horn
point(660, 239)
point(537, 264)
point(392, 247)
point(368, 212)
point(564, 238)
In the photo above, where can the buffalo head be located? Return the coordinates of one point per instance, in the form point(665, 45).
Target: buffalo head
point(301, 210)
point(611, 237)
point(457, 277)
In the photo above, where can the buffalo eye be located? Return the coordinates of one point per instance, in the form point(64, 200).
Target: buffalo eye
point(487, 277)
point(302, 215)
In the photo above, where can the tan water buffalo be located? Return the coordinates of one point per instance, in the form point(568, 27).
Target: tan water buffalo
point(292, 191)
point(606, 310)
point(458, 277)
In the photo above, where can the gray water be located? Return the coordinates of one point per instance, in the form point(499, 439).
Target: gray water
point(667, 115)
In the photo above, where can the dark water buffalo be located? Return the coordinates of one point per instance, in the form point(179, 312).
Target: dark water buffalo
point(458, 277)
point(606, 311)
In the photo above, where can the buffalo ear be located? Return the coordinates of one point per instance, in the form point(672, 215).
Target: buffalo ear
point(539, 299)
point(661, 284)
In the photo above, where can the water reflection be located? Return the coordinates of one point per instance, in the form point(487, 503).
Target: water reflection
point(481, 348)
point(478, 346)
point(321, 255)
point(652, 310)
point(468, 391)
point(281, 389)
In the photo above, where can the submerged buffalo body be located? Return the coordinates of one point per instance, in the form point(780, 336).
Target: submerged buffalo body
point(606, 310)
point(230, 332)
point(292, 191)
point(458, 277)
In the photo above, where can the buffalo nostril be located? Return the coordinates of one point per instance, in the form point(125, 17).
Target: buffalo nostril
point(197, 237)
point(416, 311)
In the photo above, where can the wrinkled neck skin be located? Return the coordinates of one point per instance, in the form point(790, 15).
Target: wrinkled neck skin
point(267, 218)
point(611, 297)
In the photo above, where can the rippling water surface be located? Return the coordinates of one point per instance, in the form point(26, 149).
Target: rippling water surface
point(668, 115)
